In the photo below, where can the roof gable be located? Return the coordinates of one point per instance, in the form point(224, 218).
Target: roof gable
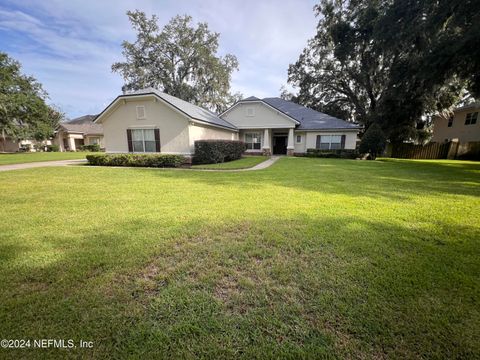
point(309, 119)
point(191, 111)
point(83, 124)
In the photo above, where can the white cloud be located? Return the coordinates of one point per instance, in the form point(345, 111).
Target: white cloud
point(70, 46)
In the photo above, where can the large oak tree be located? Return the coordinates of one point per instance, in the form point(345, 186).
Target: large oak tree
point(24, 113)
point(389, 62)
point(180, 59)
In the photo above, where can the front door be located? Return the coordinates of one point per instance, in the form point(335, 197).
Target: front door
point(280, 145)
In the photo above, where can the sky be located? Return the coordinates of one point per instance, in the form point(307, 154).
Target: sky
point(69, 46)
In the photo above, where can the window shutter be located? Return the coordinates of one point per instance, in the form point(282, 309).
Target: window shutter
point(157, 140)
point(129, 140)
point(319, 138)
point(343, 141)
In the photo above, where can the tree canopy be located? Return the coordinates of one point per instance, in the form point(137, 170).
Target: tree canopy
point(23, 110)
point(389, 61)
point(180, 59)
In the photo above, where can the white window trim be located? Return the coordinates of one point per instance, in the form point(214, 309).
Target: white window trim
point(296, 139)
point(144, 112)
point(259, 137)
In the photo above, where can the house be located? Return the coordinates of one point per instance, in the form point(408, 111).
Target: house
point(73, 134)
point(277, 126)
point(11, 145)
point(463, 125)
point(151, 121)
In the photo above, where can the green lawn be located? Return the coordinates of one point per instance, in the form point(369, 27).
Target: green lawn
point(19, 158)
point(309, 258)
point(243, 163)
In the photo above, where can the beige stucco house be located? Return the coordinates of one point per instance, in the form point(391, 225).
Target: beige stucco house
point(151, 121)
point(463, 125)
point(277, 126)
point(73, 134)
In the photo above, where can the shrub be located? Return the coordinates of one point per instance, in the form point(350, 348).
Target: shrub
point(140, 160)
point(91, 147)
point(217, 151)
point(53, 148)
point(338, 153)
point(373, 141)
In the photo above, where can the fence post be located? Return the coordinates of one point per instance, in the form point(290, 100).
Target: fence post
point(452, 149)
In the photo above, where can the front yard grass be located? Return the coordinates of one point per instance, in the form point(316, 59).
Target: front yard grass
point(310, 258)
point(28, 157)
point(243, 163)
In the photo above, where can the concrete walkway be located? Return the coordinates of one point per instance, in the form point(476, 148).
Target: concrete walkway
point(41, 164)
point(263, 165)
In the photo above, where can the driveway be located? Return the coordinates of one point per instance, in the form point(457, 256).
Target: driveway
point(41, 164)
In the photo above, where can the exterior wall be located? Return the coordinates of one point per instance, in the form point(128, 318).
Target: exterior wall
point(264, 117)
point(460, 131)
point(301, 146)
point(350, 139)
point(201, 132)
point(174, 137)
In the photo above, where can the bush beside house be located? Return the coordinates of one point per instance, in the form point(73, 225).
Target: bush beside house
point(217, 151)
point(137, 160)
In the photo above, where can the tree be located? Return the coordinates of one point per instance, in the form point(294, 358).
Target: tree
point(389, 62)
point(181, 60)
point(373, 141)
point(23, 110)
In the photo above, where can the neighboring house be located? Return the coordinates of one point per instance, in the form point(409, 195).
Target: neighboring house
point(463, 124)
point(10, 145)
point(73, 134)
point(151, 121)
point(277, 126)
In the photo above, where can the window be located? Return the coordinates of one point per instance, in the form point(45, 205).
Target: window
point(329, 142)
point(450, 121)
point(250, 111)
point(143, 140)
point(141, 113)
point(471, 118)
point(299, 139)
point(94, 140)
point(253, 141)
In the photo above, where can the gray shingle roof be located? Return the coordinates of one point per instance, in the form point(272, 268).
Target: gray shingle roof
point(309, 119)
point(193, 111)
point(83, 124)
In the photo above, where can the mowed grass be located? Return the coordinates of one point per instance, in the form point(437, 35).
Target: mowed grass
point(309, 258)
point(243, 163)
point(28, 157)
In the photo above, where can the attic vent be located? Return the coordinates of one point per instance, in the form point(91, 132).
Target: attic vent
point(250, 111)
point(141, 112)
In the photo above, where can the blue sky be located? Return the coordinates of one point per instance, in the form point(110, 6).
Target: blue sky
point(69, 46)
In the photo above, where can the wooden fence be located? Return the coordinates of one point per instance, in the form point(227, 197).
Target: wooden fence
point(428, 151)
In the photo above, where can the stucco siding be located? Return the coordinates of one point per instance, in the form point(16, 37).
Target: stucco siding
point(458, 130)
point(261, 116)
point(8, 145)
point(174, 135)
point(200, 132)
point(300, 146)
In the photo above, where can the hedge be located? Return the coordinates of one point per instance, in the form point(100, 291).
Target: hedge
point(91, 147)
point(217, 151)
point(141, 160)
point(337, 153)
